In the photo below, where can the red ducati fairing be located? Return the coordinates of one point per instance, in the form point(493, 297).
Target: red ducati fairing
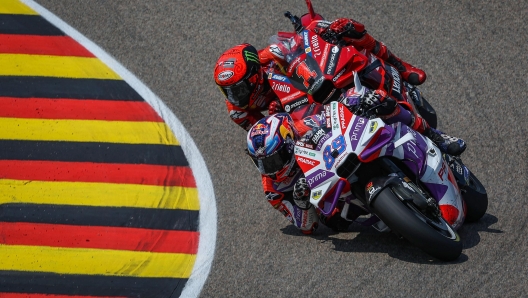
point(317, 71)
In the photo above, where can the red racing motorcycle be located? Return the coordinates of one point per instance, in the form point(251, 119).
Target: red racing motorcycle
point(319, 69)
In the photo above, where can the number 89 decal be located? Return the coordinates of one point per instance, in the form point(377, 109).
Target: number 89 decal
point(339, 145)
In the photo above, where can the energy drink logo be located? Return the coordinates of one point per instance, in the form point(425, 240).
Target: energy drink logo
point(250, 56)
point(259, 129)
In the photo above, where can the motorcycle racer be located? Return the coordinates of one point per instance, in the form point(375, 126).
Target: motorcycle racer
point(270, 144)
point(239, 73)
point(247, 99)
point(242, 76)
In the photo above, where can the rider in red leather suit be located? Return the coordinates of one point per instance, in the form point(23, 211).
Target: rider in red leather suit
point(246, 112)
point(241, 73)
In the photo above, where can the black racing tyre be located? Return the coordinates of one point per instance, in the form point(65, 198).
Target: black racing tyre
point(432, 235)
point(428, 113)
point(476, 199)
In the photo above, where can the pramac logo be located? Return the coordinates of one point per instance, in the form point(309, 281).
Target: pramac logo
point(307, 161)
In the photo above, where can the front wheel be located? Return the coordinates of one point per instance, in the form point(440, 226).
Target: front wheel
point(430, 233)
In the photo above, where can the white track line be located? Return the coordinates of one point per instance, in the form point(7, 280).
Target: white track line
point(207, 226)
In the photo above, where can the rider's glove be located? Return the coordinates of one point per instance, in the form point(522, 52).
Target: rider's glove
point(364, 97)
point(347, 29)
point(275, 107)
point(301, 194)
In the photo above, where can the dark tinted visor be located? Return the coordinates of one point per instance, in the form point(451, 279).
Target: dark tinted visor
point(270, 165)
point(240, 93)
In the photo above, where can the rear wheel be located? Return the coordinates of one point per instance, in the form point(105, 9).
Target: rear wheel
point(430, 233)
point(476, 198)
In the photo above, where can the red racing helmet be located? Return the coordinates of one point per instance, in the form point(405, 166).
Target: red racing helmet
point(238, 74)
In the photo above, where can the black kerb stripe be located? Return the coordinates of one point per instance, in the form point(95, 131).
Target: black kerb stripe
point(170, 155)
point(27, 24)
point(46, 87)
point(147, 218)
point(89, 285)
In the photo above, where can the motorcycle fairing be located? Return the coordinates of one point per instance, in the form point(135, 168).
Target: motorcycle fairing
point(424, 159)
point(321, 163)
point(312, 65)
point(368, 139)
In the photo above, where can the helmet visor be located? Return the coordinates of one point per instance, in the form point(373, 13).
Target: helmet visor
point(272, 164)
point(240, 93)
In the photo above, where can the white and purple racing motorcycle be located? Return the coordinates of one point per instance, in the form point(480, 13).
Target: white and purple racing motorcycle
point(397, 179)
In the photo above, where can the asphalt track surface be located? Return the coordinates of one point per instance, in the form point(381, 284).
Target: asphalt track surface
point(99, 193)
point(475, 57)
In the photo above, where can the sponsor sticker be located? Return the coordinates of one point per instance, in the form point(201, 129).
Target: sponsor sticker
point(316, 195)
point(373, 126)
point(250, 56)
point(315, 46)
point(280, 87)
point(318, 135)
point(292, 106)
point(332, 61)
point(225, 75)
point(278, 78)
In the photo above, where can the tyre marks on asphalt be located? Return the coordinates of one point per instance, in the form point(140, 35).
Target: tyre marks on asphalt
point(96, 195)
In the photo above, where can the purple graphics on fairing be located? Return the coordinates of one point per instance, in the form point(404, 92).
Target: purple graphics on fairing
point(389, 150)
point(414, 158)
point(414, 151)
point(318, 177)
point(385, 136)
point(441, 183)
point(358, 125)
point(408, 146)
point(437, 190)
point(418, 138)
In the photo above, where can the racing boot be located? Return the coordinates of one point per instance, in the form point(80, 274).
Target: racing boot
point(447, 144)
point(411, 74)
